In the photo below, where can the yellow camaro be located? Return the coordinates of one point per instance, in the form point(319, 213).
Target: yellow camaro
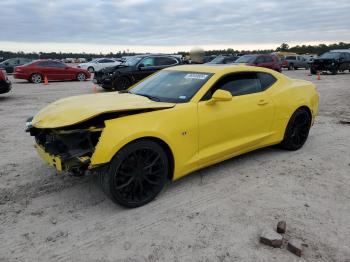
point(172, 123)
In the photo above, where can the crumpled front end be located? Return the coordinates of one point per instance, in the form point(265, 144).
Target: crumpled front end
point(67, 150)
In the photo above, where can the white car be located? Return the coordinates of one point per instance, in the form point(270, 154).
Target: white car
point(98, 64)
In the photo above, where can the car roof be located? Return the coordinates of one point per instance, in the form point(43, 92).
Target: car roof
point(214, 68)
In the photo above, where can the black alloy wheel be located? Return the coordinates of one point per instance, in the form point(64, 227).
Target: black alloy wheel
point(121, 83)
point(297, 130)
point(137, 174)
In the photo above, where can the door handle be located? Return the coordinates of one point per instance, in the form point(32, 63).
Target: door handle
point(262, 102)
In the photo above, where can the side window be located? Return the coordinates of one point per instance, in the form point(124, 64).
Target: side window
point(237, 84)
point(165, 61)
point(103, 61)
point(148, 61)
point(260, 60)
point(266, 80)
point(57, 64)
point(268, 59)
point(343, 56)
point(43, 64)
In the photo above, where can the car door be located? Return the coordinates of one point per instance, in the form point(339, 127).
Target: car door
point(146, 67)
point(344, 59)
point(230, 127)
point(45, 70)
point(60, 71)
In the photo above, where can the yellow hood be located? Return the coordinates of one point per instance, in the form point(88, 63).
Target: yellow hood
point(76, 109)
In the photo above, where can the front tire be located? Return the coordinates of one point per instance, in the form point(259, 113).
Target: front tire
point(334, 71)
point(121, 83)
point(297, 130)
point(137, 174)
point(36, 78)
point(81, 77)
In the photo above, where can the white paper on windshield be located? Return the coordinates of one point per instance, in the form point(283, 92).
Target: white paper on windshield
point(196, 76)
point(182, 97)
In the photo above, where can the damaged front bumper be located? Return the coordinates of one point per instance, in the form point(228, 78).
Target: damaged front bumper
point(66, 150)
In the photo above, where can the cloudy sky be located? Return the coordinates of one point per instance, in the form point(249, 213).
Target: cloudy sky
point(169, 25)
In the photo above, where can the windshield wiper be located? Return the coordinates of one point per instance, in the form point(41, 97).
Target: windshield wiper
point(154, 98)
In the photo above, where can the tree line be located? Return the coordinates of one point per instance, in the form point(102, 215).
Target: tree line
point(299, 49)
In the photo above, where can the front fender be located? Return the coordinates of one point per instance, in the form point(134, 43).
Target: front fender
point(176, 127)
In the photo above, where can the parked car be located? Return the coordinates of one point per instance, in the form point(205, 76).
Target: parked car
point(36, 71)
point(98, 64)
point(295, 62)
point(332, 62)
point(5, 83)
point(11, 63)
point(178, 120)
point(267, 61)
point(223, 59)
point(131, 71)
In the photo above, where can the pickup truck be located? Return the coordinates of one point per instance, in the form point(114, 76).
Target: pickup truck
point(295, 62)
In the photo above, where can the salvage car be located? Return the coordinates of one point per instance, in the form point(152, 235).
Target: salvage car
point(261, 60)
point(174, 122)
point(333, 62)
point(9, 64)
point(5, 83)
point(98, 64)
point(36, 71)
point(133, 70)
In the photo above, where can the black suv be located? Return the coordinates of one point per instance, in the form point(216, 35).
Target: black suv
point(133, 70)
point(9, 64)
point(331, 61)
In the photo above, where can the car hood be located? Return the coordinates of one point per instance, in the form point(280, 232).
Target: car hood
point(76, 109)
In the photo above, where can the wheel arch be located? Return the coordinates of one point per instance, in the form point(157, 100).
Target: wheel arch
point(165, 146)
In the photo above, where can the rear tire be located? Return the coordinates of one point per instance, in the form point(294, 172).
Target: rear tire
point(297, 130)
point(137, 174)
point(91, 69)
point(290, 67)
point(313, 71)
point(121, 83)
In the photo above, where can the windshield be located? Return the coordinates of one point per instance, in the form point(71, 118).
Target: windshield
point(246, 59)
point(131, 61)
point(331, 55)
point(171, 86)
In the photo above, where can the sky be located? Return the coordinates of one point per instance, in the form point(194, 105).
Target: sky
point(168, 25)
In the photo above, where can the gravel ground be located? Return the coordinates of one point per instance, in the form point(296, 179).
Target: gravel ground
point(215, 214)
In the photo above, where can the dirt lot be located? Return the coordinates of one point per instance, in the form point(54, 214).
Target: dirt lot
point(212, 215)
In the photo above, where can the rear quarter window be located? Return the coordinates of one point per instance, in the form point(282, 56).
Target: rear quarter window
point(266, 80)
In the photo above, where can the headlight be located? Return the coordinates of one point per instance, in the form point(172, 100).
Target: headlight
point(29, 124)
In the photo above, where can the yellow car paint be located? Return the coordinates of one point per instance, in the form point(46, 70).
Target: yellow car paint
point(197, 133)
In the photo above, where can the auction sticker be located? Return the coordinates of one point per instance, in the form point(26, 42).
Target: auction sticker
point(196, 76)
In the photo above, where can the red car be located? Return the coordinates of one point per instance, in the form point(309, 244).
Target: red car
point(5, 83)
point(36, 71)
point(268, 61)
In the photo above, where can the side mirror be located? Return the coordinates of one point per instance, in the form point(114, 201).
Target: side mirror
point(6, 64)
point(220, 95)
point(140, 66)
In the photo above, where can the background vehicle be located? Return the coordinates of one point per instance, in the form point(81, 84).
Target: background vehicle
point(176, 121)
point(133, 70)
point(11, 63)
point(36, 71)
point(5, 83)
point(267, 61)
point(295, 62)
point(98, 64)
point(331, 61)
point(223, 59)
